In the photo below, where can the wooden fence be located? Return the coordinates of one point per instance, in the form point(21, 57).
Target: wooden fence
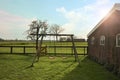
point(68, 50)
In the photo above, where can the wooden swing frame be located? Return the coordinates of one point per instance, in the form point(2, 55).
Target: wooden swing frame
point(38, 48)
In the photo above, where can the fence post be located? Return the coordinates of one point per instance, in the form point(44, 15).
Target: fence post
point(84, 51)
point(24, 49)
point(11, 49)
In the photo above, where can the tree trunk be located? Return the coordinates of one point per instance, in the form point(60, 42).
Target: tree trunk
point(39, 48)
point(38, 52)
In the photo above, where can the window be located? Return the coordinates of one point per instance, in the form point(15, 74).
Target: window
point(92, 40)
point(118, 40)
point(102, 40)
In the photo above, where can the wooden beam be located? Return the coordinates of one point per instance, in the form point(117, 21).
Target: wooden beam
point(54, 34)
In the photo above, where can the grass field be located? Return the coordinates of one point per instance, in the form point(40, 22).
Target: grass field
point(16, 67)
point(31, 43)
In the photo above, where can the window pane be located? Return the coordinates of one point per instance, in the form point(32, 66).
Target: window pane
point(118, 40)
point(102, 40)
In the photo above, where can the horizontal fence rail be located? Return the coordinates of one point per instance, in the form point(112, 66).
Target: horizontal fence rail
point(67, 50)
point(15, 49)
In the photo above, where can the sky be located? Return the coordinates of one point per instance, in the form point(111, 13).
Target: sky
point(77, 17)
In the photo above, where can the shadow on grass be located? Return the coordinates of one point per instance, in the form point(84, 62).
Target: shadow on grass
point(52, 61)
point(89, 70)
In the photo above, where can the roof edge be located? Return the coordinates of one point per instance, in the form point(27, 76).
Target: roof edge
point(115, 7)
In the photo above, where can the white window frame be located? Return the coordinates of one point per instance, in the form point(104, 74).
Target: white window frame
point(102, 40)
point(117, 40)
point(92, 40)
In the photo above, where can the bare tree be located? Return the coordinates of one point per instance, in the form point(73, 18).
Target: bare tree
point(55, 29)
point(37, 27)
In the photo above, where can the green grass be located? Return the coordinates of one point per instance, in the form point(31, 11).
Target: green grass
point(44, 43)
point(15, 67)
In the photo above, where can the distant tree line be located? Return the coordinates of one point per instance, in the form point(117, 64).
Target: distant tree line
point(1, 39)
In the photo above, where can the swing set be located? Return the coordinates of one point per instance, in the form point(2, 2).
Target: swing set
point(53, 46)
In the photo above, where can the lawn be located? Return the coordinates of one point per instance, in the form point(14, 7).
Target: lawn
point(16, 67)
